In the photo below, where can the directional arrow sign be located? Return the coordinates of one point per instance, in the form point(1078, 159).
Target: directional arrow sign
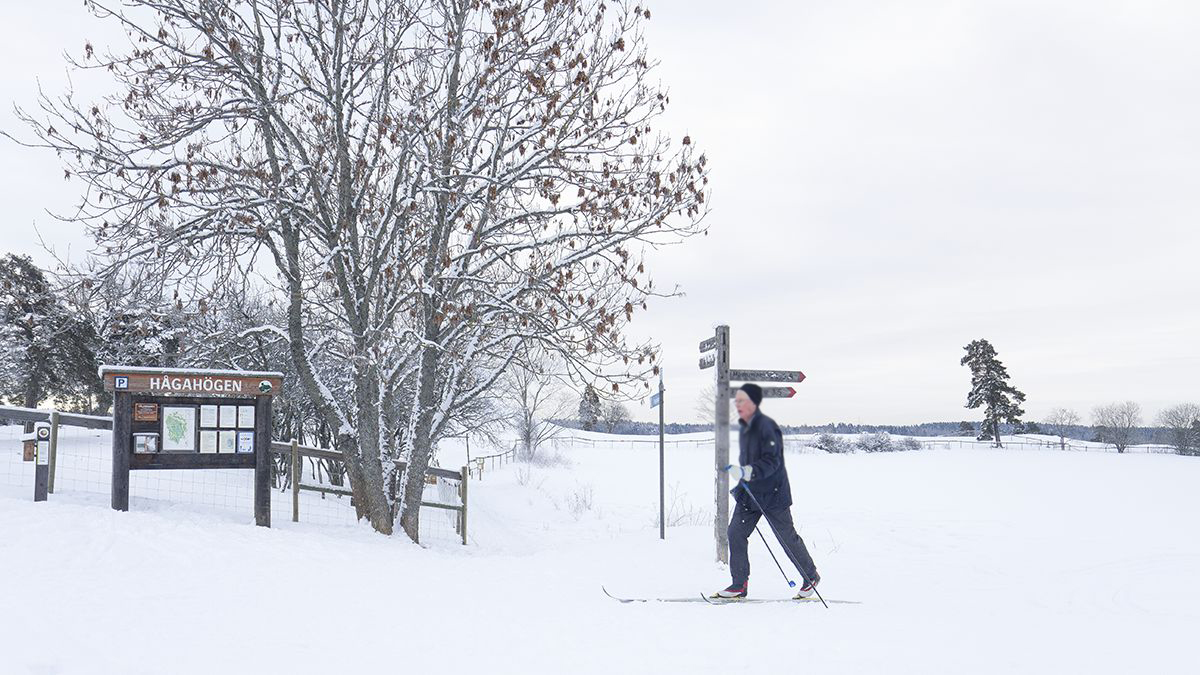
point(707, 361)
point(769, 392)
point(708, 345)
point(766, 375)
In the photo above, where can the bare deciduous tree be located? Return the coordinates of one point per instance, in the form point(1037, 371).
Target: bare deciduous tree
point(1180, 421)
point(427, 187)
point(1059, 422)
point(1115, 423)
point(615, 414)
point(535, 397)
point(704, 408)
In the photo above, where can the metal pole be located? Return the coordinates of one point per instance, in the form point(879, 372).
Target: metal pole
point(721, 519)
point(662, 512)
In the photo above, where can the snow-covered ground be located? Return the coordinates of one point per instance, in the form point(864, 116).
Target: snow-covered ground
point(965, 560)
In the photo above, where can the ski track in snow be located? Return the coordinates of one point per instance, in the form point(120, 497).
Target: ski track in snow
point(966, 561)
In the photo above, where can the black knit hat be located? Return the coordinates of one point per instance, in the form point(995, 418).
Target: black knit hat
point(753, 391)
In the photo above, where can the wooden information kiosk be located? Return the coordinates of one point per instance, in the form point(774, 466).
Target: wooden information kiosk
point(167, 418)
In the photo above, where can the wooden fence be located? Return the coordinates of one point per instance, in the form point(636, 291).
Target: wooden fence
point(296, 452)
point(55, 418)
point(492, 461)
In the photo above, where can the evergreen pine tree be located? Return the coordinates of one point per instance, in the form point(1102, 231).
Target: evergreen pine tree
point(45, 349)
point(966, 428)
point(990, 389)
point(589, 409)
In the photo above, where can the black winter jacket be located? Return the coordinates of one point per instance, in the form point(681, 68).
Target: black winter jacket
point(761, 446)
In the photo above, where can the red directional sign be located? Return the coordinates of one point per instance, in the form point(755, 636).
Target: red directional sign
point(769, 392)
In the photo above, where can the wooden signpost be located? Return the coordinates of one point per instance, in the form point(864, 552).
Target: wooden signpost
point(165, 418)
point(719, 345)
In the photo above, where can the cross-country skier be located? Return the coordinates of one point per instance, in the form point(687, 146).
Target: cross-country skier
point(760, 466)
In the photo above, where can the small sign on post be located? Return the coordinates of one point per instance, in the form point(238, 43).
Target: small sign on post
point(41, 473)
point(769, 392)
point(766, 375)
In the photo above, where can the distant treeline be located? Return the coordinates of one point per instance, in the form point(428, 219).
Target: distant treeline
point(1139, 435)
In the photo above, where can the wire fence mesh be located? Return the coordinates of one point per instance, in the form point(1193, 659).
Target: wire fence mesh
point(83, 466)
point(807, 444)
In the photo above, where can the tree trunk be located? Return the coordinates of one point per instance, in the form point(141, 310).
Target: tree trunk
point(31, 401)
point(422, 447)
point(373, 502)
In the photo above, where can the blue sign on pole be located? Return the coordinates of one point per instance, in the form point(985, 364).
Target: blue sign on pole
point(655, 399)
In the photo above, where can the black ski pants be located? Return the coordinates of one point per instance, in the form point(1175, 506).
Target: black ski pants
point(741, 526)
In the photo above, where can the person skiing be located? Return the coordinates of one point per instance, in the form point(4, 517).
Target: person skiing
point(760, 469)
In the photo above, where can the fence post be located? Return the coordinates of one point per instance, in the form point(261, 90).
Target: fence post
point(462, 515)
point(295, 482)
point(53, 448)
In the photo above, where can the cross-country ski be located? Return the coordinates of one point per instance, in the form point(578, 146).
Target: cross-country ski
point(703, 598)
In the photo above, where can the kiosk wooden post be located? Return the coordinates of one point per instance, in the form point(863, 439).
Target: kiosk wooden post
point(121, 449)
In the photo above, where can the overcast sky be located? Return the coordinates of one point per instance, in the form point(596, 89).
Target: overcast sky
point(889, 181)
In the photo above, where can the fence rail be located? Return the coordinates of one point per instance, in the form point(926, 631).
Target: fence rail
point(296, 452)
point(13, 414)
point(500, 459)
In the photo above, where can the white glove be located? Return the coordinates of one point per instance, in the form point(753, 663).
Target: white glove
point(737, 473)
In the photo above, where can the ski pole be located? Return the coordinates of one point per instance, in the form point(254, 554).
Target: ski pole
point(780, 539)
point(791, 584)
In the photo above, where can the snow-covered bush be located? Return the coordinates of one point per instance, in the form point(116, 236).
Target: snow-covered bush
point(580, 501)
point(831, 443)
point(680, 511)
point(880, 442)
point(546, 460)
point(907, 443)
point(524, 474)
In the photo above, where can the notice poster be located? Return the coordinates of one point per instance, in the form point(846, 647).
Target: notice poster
point(245, 417)
point(145, 443)
point(228, 442)
point(208, 417)
point(145, 412)
point(245, 442)
point(178, 428)
point(208, 441)
point(229, 417)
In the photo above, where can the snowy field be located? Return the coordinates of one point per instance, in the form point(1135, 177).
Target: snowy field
point(965, 560)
